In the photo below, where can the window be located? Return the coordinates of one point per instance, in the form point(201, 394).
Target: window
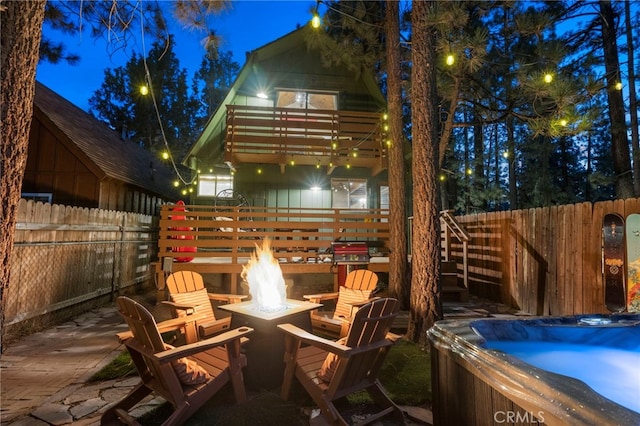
point(306, 100)
point(349, 193)
point(211, 185)
point(384, 196)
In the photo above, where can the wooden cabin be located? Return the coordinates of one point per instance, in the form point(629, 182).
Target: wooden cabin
point(297, 151)
point(75, 159)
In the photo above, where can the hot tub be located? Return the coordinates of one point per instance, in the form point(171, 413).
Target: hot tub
point(478, 379)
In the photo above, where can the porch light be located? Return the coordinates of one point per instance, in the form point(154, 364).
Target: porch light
point(262, 95)
point(144, 90)
point(315, 188)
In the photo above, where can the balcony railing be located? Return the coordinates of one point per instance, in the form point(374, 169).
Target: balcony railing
point(305, 137)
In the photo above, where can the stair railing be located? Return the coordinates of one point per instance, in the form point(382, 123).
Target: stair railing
point(457, 230)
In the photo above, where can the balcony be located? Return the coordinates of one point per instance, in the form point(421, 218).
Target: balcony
point(325, 138)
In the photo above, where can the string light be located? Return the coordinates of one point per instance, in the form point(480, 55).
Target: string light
point(450, 59)
point(548, 78)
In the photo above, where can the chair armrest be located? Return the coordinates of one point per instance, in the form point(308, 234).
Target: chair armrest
point(316, 298)
point(163, 327)
point(190, 310)
point(229, 298)
point(203, 345)
point(313, 340)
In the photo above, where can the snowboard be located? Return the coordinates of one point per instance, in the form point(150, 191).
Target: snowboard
point(632, 232)
point(613, 262)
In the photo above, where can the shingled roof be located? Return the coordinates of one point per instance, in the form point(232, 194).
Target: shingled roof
point(100, 148)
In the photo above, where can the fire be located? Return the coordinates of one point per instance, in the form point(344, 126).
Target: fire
point(266, 283)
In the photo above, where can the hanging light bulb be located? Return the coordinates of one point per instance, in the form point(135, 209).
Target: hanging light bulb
point(315, 21)
point(144, 90)
point(548, 78)
point(165, 155)
point(450, 59)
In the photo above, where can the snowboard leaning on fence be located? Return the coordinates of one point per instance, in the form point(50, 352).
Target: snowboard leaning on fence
point(613, 262)
point(632, 238)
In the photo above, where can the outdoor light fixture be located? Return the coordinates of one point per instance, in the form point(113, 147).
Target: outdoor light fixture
point(315, 21)
point(450, 59)
point(144, 90)
point(262, 95)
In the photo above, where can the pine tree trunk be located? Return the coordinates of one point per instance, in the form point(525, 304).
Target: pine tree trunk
point(20, 33)
point(633, 102)
point(398, 285)
point(426, 306)
point(619, 142)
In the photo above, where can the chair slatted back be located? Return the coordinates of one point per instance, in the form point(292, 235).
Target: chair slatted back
point(147, 341)
point(184, 281)
point(361, 279)
point(368, 333)
point(187, 288)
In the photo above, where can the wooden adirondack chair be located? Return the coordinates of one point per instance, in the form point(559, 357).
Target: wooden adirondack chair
point(331, 370)
point(358, 289)
point(188, 296)
point(186, 376)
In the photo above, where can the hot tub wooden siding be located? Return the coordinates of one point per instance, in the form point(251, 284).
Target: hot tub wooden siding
point(225, 238)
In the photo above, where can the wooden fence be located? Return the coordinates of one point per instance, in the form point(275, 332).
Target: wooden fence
point(223, 238)
point(69, 259)
point(544, 261)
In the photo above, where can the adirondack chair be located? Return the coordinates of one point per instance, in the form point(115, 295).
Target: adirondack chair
point(330, 370)
point(188, 296)
point(186, 376)
point(358, 289)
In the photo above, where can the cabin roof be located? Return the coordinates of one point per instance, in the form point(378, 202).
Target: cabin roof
point(99, 147)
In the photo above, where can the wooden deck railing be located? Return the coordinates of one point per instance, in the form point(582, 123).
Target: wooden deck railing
point(306, 137)
point(225, 238)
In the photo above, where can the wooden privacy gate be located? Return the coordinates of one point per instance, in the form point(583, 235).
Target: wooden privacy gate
point(225, 237)
point(543, 261)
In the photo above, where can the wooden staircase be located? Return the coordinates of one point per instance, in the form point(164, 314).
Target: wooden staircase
point(451, 290)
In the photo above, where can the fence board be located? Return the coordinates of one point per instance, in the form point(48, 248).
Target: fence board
point(543, 261)
point(64, 257)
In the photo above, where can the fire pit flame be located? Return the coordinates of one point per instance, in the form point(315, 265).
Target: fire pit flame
point(266, 283)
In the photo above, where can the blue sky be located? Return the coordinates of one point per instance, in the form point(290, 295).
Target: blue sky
point(248, 25)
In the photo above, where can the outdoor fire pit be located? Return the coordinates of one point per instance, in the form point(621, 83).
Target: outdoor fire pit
point(267, 308)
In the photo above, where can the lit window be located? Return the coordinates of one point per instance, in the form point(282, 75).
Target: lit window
point(349, 193)
point(211, 185)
